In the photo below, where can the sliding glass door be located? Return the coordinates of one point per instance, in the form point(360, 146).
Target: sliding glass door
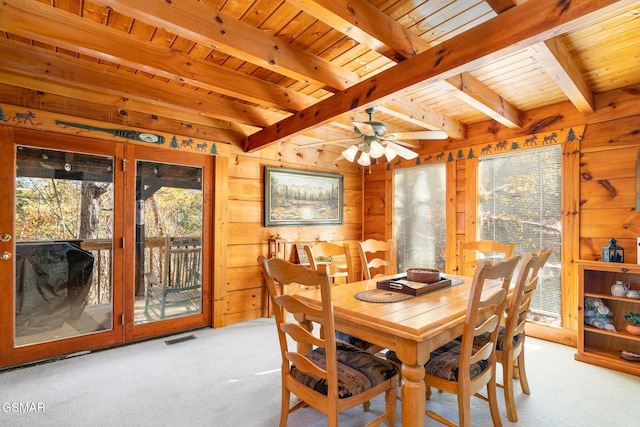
point(100, 243)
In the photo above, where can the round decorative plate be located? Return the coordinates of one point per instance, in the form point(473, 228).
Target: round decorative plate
point(148, 137)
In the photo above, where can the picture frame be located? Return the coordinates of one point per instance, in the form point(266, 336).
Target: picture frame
point(301, 197)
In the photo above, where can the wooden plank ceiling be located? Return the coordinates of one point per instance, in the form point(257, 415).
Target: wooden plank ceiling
point(255, 72)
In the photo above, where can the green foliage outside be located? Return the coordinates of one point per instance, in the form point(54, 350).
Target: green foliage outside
point(50, 209)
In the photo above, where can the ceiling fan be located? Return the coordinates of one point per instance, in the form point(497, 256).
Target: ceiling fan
point(374, 141)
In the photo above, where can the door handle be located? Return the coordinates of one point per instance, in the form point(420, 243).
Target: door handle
point(5, 256)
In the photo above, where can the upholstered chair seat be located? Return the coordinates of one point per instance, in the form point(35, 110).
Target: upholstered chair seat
point(357, 371)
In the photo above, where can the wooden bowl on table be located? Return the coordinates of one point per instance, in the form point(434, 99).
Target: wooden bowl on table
point(423, 275)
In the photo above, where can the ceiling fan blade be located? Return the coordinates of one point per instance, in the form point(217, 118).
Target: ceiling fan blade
point(332, 141)
point(405, 153)
point(403, 143)
point(423, 134)
point(365, 128)
point(340, 157)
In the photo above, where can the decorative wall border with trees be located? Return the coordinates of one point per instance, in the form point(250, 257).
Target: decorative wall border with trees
point(44, 120)
point(500, 147)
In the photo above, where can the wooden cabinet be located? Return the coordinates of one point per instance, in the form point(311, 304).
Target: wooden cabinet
point(601, 346)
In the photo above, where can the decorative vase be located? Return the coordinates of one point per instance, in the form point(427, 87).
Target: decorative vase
point(619, 289)
point(633, 329)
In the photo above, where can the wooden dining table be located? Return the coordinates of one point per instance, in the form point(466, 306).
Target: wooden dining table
point(412, 328)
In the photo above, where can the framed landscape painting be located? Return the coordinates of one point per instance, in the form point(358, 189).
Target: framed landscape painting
point(298, 197)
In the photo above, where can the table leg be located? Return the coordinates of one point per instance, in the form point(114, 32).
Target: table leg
point(413, 392)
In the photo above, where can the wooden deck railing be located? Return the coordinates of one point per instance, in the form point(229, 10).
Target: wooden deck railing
point(154, 262)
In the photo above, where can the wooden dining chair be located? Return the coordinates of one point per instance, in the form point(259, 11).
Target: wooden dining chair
point(338, 257)
point(377, 254)
point(323, 373)
point(459, 367)
point(510, 342)
point(470, 252)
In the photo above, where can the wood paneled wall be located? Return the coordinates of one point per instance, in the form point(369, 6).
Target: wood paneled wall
point(246, 296)
point(599, 197)
point(599, 180)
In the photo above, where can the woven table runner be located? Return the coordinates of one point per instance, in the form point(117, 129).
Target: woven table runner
point(385, 296)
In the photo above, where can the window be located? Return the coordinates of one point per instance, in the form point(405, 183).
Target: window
point(520, 201)
point(420, 217)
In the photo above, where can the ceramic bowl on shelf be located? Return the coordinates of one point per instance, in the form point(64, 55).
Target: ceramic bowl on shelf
point(630, 356)
point(633, 294)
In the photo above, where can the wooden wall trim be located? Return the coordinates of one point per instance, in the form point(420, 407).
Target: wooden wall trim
point(570, 208)
point(220, 240)
point(451, 215)
point(554, 334)
point(470, 202)
point(389, 203)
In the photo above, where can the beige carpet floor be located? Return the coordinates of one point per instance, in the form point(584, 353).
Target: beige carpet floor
point(230, 377)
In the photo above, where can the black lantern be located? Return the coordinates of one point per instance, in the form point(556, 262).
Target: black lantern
point(612, 252)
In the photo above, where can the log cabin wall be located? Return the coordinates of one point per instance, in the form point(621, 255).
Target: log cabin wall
point(599, 185)
point(246, 295)
point(599, 197)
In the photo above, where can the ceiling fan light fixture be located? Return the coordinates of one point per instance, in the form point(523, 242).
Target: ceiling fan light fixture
point(364, 159)
point(350, 153)
point(376, 150)
point(390, 153)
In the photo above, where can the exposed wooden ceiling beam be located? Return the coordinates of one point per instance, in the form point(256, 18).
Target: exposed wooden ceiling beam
point(41, 22)
point(424, 118)
point(515, 29)
point(554, 57)
point(125, 104)
point(360, 20)
point(475, 93)
point(204, 24)
point(212, 130)
point(366, 24)
point(59, 68)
